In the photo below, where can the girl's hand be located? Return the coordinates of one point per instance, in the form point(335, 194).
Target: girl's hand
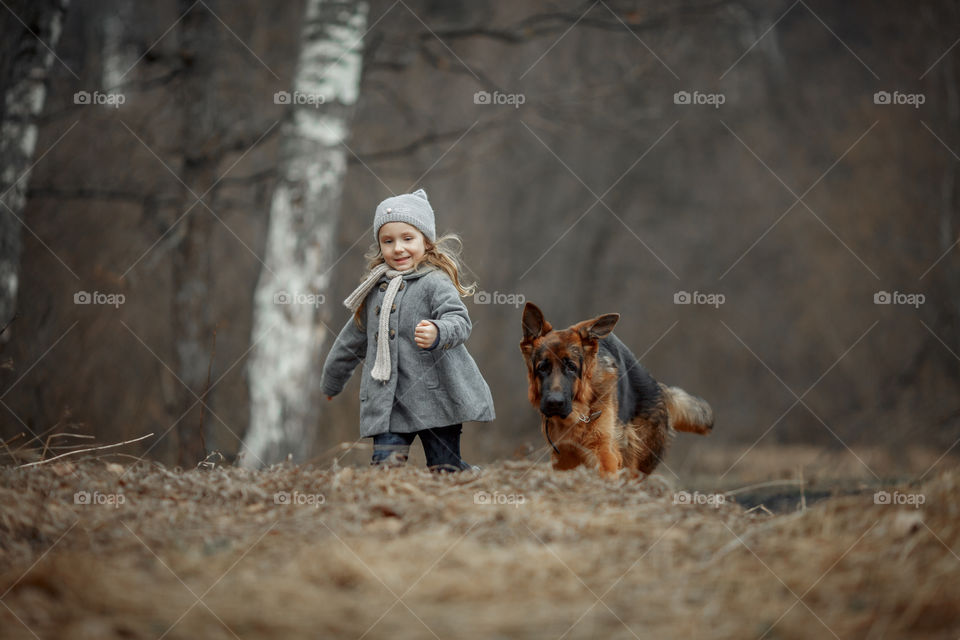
point(425, 334)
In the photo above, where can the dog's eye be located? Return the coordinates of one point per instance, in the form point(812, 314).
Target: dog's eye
point(570, 365)
point(544, 367)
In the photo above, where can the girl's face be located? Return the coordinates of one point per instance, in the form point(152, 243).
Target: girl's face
point(402, 245)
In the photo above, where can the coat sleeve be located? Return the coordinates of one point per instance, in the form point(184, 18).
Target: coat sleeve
point(449, 314)
point(349, 349)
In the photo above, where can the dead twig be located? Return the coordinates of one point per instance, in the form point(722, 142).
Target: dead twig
point(15, 316)
point(70, 453)
point(761, 485)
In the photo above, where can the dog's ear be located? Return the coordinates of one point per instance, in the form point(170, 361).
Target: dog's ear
point(534, 324)
point(599, 327)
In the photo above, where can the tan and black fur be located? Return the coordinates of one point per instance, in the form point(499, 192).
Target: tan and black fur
point(597, 403)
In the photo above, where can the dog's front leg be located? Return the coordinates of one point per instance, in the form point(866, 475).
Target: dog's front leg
point(610, 460)
point(606, 449)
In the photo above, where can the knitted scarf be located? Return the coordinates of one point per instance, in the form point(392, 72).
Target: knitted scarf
point(381, 368)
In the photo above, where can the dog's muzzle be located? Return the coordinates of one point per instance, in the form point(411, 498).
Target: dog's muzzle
point(555, 406)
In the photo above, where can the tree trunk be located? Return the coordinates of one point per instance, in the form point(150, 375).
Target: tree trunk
point(949, 236)
point(287, 327)
point(192, 325)
point(24, 68)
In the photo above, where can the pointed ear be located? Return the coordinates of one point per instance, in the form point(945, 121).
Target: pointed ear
point(534, 324)
point(599, 327)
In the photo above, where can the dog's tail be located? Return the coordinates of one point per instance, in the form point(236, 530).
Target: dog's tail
point(687, 412)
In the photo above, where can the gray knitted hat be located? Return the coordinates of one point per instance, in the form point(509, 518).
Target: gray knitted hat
point(412, 208)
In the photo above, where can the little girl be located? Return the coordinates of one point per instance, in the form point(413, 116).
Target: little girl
point(408, 316)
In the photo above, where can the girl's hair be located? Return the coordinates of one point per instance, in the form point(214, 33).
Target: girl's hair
point(443, 254)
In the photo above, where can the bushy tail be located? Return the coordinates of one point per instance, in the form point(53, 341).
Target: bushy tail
point(687, 412)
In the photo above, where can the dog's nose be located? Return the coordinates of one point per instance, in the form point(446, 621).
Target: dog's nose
point(554, 405)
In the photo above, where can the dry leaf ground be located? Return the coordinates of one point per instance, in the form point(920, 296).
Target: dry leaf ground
point(514, 551)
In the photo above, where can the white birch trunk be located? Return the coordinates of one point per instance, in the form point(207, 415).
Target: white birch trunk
point(283, 369)
point(118, 55)
point(23, 102)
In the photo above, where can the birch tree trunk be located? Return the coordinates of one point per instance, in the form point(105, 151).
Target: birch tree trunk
point(26, 63)
point(283, 369)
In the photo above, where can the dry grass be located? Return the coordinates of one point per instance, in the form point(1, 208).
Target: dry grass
point(404, 553)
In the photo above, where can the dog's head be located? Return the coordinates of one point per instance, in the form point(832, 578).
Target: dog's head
point(558, 361)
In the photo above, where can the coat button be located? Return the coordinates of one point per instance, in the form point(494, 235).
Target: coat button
point(402, 285)
point(392, 333)
point(383, 286)
point(377, 311)
point(393, 308)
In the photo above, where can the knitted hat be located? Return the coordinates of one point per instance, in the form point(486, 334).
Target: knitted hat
point(412, 208)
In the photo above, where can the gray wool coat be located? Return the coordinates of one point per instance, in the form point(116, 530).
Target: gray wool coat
point(427, 387)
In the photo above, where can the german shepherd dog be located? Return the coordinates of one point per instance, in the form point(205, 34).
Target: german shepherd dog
point(598, 405)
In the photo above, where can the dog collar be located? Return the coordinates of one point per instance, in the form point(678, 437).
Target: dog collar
point(593, 416)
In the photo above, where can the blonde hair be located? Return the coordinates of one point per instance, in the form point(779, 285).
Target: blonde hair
point(444, 254)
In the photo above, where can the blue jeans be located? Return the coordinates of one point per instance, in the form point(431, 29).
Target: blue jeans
point(440, 445)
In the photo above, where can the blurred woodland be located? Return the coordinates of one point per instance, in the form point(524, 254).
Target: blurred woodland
point(581, 181)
